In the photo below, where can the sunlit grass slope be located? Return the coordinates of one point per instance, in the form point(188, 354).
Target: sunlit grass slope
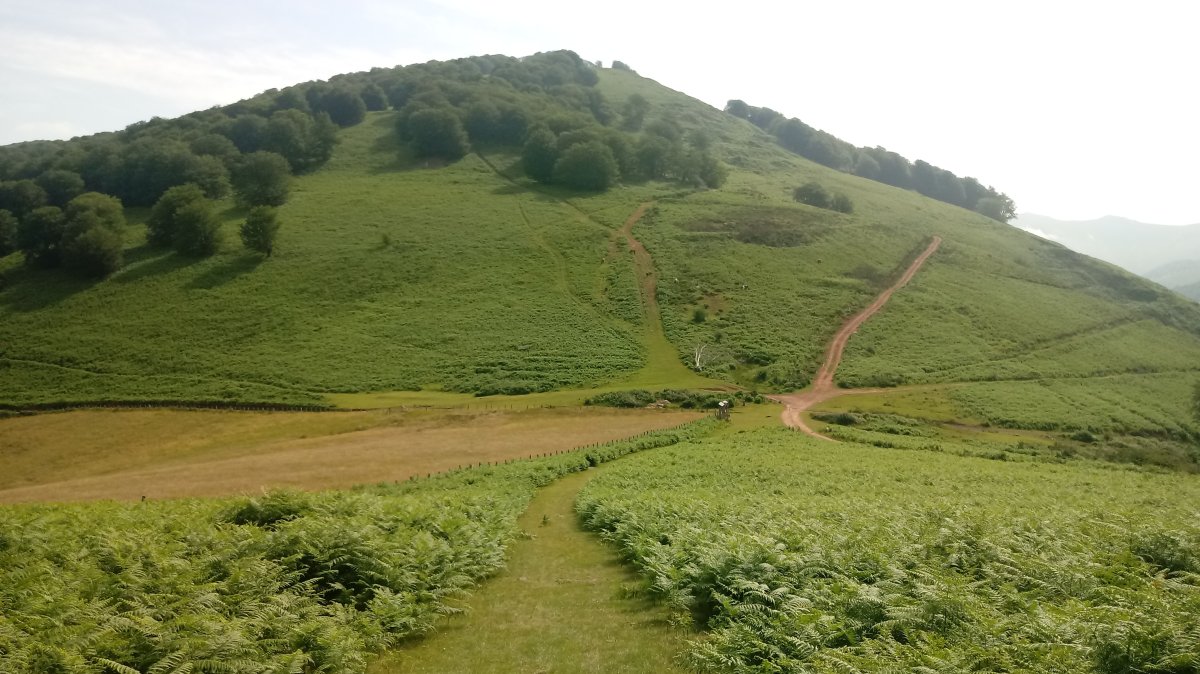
point(776, 278)
point(386, 277)
point(393, 276)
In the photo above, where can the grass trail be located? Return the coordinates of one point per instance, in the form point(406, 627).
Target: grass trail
point(558, 607)
point(662, 358)
point(663, 369)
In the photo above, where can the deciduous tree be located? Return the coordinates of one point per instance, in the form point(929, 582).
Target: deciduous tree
point(999, 208)
point(587, 166)
point(90, 247)
point(93, 235)
point(374, 97)
point(262, 179)
point(39, 235)
point(260, 229)
point(437, 132)
point(345, 107)
point(160, 226)
point(539, 154)
point(21, 197)
point(60, 186)
point(633, 115)
point(197, 229)
point(738, 108)
point(8, 233)
point(841, 203)
point(813, 194)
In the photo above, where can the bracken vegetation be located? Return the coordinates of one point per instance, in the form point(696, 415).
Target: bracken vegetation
point(283, 582)
point(797, 556)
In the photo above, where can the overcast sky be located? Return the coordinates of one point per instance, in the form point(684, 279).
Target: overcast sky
point(1075, 109)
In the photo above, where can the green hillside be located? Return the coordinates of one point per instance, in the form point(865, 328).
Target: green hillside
point(1013, 491)
point(396, 273)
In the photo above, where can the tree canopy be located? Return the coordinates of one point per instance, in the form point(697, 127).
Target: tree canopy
point(262, 179)
point(90, 247)
point(8, 233)
point(160, 226)
point(197, 229)
point(260, 229)
point(40, 234)
point(587, 166)
point(813, 194)
point(438, 132)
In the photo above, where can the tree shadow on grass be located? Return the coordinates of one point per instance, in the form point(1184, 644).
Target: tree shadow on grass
point(539, 192)
point(29, 289)
point(224, 272)
point(144, 262)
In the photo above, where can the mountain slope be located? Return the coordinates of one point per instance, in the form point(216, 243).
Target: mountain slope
point(1191, 290)
point(1137, 246)
point(393, 273)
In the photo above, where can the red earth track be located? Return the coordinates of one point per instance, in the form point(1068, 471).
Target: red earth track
point(823, 388)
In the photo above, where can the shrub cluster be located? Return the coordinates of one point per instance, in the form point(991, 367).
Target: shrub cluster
point(814, 194)
point(686, 399)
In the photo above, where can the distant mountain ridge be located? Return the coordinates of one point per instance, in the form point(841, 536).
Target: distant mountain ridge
point(1165, 254)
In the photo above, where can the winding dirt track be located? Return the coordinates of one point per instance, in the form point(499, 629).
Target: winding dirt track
point(823, 388)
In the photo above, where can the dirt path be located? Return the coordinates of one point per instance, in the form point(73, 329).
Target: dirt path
point(663, 367)
point(823, 387)
point(558, 607)
point(643, 265)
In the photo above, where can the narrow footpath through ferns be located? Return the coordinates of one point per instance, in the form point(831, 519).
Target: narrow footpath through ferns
point(563, 605)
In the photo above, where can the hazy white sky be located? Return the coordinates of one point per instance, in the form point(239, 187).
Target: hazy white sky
point(1075, 109)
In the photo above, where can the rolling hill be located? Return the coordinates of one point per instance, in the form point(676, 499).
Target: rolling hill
point(396, 273)
point(1003, 483)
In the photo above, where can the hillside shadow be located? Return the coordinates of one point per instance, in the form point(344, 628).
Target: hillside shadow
point(224, 272)
point(536, 191)
point(29, 289)
point(235, 212)
point(144, 262)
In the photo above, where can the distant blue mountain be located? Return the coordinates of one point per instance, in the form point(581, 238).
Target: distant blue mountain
point(1162, 253)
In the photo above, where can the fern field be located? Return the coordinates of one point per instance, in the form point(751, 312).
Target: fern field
point(801, 556)
point(285, 582)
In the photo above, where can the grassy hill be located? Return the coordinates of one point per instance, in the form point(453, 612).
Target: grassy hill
point(397, 274)
point(961, 522)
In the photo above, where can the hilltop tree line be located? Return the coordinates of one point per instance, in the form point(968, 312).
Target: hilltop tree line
point(50, 190)
point(568, 133)
point(545, 105)
point(877, 163)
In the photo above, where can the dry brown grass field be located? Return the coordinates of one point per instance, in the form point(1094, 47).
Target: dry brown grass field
point(128, 454)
